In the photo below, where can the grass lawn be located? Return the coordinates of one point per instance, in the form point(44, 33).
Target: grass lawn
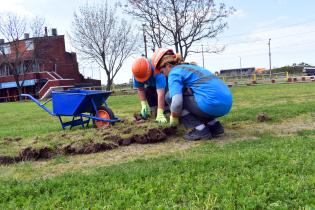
point(255, 165)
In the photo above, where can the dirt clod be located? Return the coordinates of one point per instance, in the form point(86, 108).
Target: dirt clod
point(170, 130)
point(139, 117)
point(17, 139)
point(155, 135)
point(29, 153)
point(114, 138)
point(4, 160)
point(45, 153)
point(140, 139)
point(127, 131)
point(67, 149)
point(127, 141)
point(262, 117)
point(96, 147)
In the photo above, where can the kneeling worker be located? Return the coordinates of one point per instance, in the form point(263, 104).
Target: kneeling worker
point(196, 95)
point(151, 89)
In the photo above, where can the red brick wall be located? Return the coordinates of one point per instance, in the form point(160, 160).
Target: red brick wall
point(51, 52)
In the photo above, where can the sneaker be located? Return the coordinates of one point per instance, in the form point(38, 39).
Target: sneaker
point(216, 129)
point(195, 134)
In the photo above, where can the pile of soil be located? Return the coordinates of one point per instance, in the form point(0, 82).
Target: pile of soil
point(262, 117)
point(27, 154)
point(91, 147)
point(153, 135)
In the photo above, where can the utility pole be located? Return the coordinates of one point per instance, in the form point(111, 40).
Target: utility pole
point(145, 41)
point(241, 67)
point(203, 58)
point(269, 59)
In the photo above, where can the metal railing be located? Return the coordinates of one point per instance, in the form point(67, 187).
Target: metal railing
point(255, 78)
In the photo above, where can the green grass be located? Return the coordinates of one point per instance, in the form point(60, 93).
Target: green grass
point(267, 174)
point(28, 119)
point(270, 170)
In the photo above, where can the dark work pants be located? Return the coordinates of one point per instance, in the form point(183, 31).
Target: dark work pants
point(196, 116)
point(152, 97)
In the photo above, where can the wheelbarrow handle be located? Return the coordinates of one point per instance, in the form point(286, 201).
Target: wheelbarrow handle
point(38, 103)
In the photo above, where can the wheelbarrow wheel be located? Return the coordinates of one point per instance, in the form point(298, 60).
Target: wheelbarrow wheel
point(106, 113)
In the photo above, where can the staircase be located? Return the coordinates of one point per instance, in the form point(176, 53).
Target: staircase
point(55, 82)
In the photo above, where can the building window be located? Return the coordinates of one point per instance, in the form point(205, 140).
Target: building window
point(4, 70)
point(6, 49)
point(29, 45)
point(35, 67)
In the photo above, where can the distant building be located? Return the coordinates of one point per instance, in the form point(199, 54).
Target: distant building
point(49, 67)
point(237, 72)
point(310, 70)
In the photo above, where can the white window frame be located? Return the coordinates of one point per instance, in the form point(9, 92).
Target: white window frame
point(6, 49)
point(29, 45)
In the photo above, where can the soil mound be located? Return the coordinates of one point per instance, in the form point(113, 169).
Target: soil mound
point(30, 153)
point(153, 135)
point(262, 117)
point(4, 160)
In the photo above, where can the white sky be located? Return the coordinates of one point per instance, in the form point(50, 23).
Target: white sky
point(290, 25)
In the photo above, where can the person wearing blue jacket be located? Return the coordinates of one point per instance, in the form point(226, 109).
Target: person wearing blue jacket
point(197, 97)
point(151, 87)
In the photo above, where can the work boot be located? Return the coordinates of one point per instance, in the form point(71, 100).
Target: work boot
point(190, 121)
point(195, 134)
point(216, 129)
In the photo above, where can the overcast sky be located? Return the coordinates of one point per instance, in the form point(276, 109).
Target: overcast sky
point(290, 24)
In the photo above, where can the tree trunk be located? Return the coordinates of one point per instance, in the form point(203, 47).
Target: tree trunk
point(20, 92)
point(18, 86)
point(109, 82)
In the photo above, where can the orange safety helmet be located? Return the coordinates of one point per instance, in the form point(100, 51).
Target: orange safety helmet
point(141, 69)
point(159, 53)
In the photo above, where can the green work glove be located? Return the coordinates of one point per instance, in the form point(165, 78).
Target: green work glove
point(160, 118)
point(173, 121)
point(145, 109)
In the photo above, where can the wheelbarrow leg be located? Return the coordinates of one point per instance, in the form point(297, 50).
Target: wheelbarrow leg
point(82, 121)
point(94, 107)
point(72, 122)
point(88, 121)
point(62, 125)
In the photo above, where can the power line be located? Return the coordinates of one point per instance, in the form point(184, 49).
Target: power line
point(262, 51)
point(277, 37)
point(262, 40)
point(265, 29)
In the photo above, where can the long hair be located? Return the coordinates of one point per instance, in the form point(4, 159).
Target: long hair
point(179, 60)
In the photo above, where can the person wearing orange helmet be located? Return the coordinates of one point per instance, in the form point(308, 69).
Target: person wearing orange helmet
point(151, 88)
point(196, 96)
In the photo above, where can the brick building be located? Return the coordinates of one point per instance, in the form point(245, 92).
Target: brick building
point(46, 66)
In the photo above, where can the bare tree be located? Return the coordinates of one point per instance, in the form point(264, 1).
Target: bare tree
point(16, 55)
point(180, 23)
point(100, 36)
point(40, 50)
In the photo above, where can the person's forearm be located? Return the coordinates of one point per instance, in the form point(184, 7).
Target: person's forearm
point(161, 98)
point(141, 94)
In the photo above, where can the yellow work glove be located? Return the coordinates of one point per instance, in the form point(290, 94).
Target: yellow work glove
point(145, 109)
point(160, 118)
point(173, 121)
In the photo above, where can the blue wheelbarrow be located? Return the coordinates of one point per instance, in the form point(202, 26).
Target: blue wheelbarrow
point(82, 105)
